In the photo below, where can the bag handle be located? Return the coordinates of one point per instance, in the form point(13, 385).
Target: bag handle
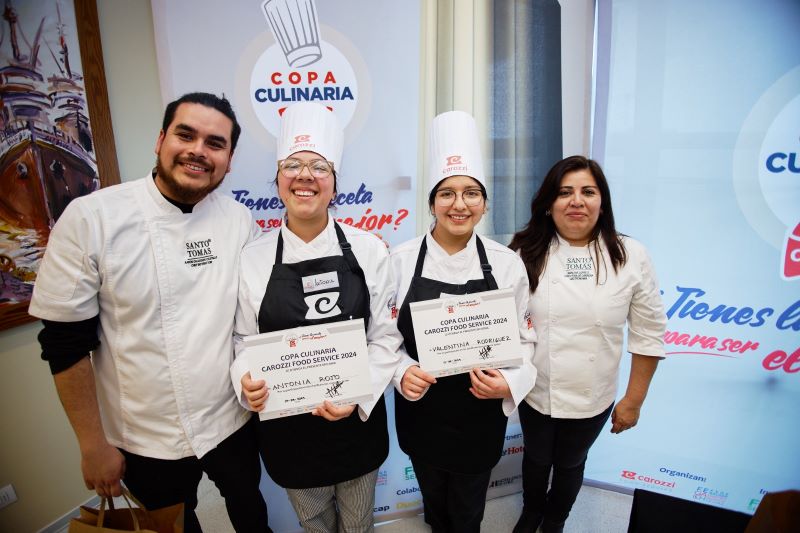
point(128, 497)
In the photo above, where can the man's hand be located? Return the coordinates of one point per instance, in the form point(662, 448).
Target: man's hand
point(103, 466)
point(255, 392)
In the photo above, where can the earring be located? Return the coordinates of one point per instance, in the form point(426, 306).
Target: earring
point(547, 213)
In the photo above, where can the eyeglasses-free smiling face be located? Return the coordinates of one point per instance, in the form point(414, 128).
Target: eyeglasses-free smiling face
point(194, 154)
point(577, 207)
point(458, 206)
point(306, 186)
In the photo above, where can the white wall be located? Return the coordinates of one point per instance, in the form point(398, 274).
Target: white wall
point(38, 451)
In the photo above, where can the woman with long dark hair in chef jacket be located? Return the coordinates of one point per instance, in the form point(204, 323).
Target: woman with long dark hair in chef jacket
point(586, 282)
point(327, 460)
point(453, 428)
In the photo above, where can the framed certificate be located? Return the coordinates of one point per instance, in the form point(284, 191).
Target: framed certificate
point(305, 366)
point(458, 333)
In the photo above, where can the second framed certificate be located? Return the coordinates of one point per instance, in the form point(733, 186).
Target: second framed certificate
point(307, 365)
point(455, 334)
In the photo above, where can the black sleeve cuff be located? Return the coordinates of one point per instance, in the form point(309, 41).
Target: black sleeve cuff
point(66, 343)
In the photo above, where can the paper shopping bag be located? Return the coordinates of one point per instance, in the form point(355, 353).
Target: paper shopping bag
point(111, 520)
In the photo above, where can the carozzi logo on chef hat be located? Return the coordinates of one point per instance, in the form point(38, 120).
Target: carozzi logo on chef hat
point(766, 173)
point(300, 60)
point(302, 142)
point(453, 160)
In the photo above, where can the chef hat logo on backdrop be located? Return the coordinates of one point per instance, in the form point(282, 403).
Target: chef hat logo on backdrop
point(454, 149)
point(308, 126)
point(295, 25)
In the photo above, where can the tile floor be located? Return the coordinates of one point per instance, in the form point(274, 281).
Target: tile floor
point(596, 511)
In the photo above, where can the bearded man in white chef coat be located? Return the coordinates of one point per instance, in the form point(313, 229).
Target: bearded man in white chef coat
point(144, 276)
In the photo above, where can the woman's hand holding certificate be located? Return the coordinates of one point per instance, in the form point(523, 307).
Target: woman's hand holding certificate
point(456, 334)
point(322, 369)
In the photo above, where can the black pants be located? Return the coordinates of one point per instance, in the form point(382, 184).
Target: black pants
point(453, 502)
point(563, 445)
point(233, 466)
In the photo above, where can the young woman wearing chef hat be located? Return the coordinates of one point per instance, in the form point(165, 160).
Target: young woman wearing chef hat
point(327, 460)
point(453, 427)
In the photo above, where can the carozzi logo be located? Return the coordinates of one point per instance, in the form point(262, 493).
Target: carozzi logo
point(647, 480)
point(302, 138)
point(453, 160)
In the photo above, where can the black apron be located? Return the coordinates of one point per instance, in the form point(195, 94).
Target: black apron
point(448, 427)
point(305, 451)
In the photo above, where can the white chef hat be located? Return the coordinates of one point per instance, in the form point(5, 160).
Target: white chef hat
point(454, 149)
point(312, 127)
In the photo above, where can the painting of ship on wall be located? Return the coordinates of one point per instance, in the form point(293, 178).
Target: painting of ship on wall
point(47, 153)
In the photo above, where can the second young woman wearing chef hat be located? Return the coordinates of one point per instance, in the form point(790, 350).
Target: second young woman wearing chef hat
point(453, 428)
point(326, 460)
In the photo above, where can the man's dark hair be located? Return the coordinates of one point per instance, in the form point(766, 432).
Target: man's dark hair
point(209, 100)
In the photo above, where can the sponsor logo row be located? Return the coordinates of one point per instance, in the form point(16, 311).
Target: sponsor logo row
point(662, 482)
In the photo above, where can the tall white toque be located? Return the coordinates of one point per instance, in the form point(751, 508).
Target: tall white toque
point(454, 149)
point(308, 126)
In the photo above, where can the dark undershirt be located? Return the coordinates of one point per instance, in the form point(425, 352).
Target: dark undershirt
point(66, 343)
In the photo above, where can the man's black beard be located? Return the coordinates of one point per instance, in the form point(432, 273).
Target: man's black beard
point(178, 192)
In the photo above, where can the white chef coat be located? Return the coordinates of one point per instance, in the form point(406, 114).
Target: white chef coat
point(164, 284)
point(579, 320)
point(509, 273)
point(383, 339)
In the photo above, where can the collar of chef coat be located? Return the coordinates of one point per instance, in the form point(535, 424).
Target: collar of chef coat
point(296, 249)
point(442, 266)
point(164, 206)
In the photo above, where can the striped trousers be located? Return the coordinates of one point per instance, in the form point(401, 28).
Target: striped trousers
point(345, 507)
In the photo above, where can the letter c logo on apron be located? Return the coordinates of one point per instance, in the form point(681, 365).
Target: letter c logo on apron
point(322, 305)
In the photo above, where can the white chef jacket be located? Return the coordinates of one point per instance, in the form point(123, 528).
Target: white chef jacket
point(579, 322)
point(164, 284)
point(509, 273)
point(383, 339)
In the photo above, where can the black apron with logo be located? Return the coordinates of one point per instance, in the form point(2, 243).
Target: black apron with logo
point(448, 427)
point(305, 451)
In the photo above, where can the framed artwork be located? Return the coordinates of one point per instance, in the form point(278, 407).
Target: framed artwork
point(56, 141)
